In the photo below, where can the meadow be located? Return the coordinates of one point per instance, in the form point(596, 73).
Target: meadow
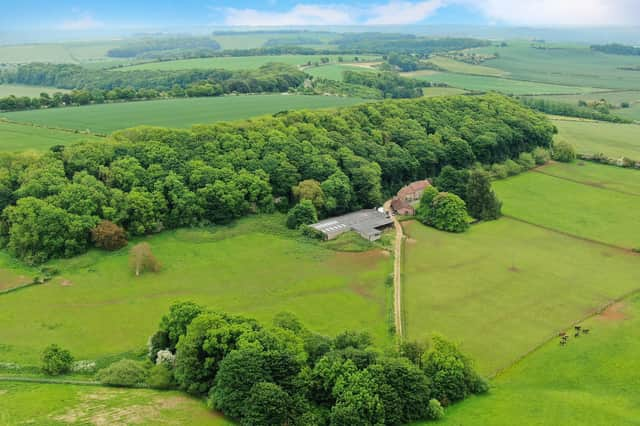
point(582, 209)
point(596, 175)
point(237, 62)
point(592, 380)
point(593, 137)
point(54, 404)
point(254, 40)
point(97, 308)
point(20, 137)
point(431, 92)
point(183, 112)
point(505, 287)
point(460, 67)
point(71, 52)
point(22, 90)
point(613, 98)
point(335, 71)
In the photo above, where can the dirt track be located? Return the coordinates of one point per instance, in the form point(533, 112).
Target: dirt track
point(397, 265)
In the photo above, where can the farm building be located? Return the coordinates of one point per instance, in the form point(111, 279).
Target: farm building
point(368, 223)
point(413, 191)
point(402, 207)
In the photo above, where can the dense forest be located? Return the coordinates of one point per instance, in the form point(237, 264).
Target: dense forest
point(387, 43)
point(616, 49)
point(147, 179)
point(140, 47)
point(285, 374)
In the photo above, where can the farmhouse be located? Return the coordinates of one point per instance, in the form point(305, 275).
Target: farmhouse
point(367, 223)
point(413, 191)
point(402, 207)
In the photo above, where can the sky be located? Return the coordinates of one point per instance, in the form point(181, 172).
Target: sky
point(92, 15)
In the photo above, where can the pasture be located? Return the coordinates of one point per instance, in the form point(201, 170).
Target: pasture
point(504, 287)
point(335, 71)
point(237, 62)
point(583, 209)
point(460, 67)
point(596, 175)
point(97, 308)
point(592, 380)
point(71, 52)
point(53, 404)
point(613, 98)
point(243, 40)
point(593, 137)
point(20, 137)
point(22, 90)
point(184, 112)
point(431, 92)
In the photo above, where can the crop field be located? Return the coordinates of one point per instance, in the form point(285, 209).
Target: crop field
point(591, 381)
point(584, 209)
point(335, 71)
point(592, 137)
point(19, 137)
point(504, 85)
point(504, 287)
point(237, 62)
point(96, 307)
point(21, 90)
point(80, 52)
point(566, 65)
point(106, 118)
point(54, 404)
point(255, 40)
point(460, 67)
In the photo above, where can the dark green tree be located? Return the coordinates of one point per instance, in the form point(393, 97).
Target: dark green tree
point(482, 202)
point(303, 213)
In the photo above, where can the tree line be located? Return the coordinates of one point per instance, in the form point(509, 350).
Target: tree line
point(387, 43)
point(597, 112)
point(142, 46)
point(148, 179)
point(390, 84)
point(616, 49)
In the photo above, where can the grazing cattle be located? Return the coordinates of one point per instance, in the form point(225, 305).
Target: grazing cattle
point(585, 330)
point(577, 334)
point(577, 327)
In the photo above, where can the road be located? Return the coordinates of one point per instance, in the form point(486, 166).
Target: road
point(397, 273)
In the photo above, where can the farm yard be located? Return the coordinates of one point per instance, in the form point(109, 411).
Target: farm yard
point(107, 118)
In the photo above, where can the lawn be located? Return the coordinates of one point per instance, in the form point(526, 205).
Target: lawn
point(186, 112)
point(236, 62)
point(49, 404)
point(593, 380)
point(504, 287)
point(581, 209)
point(96, 307)
point(592, 137)
point(20, 137)
point(504, 85)
point(22, 90)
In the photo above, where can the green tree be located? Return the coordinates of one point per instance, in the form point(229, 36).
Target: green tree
point(126, 373)
point(564, 152)
point(56, 361)
point(458, 153)
point(267, 405)
point(302, 213)
point(482, 202)
point(310, 190)
point(453, 180)
point(357, 402)
point(338, 193)
point(176, 321)
point(449, 213)
point(423, 212)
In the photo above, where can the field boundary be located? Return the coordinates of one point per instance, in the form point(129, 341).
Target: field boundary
point(539, 170)
point(42, 126)
point(397, 273)
point(50, 381)
point(19, 287)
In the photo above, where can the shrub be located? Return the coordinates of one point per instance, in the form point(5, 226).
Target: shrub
point(83, 367)
point(161, 377)
point(526, 160)
point(541, 156)
point(157, 342)
point(312, 233)
point(56, 361)
point(109, 236)
point(125, 373)
point(303, 213)
point(141, 259)
point(499, 171)
point(513, 168)
point(449, 213)
point(165, 357)
point(435, 410)
point(563, 152)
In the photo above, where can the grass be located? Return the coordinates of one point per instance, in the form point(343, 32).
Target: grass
point(504, 85)
point(613, 98)
point(72, 52)
point(21, 90)
point(335, 71)
point(580, 209)
point(598, 175)
point(20, 137)
point(592, 137)
point(106, 118)
point(97, 308)
point(430, 92)
point(235, 62)
point(593, 380)
point(52, 404)
point(255, 40)
point(460, 67)
point(504, 287)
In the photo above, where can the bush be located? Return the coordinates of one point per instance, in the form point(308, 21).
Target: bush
point(499, 171)
point(563, 152)
point(526, 160)
point(449, 213)
point(161, 377)
point(141, 259)
point(56, 361)
point(109, 236)
point(435, 410)
point(125, 373)
point(541, 156)
point(513, 168)
point(304, 213)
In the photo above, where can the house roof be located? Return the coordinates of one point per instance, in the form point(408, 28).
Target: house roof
point(398, 204)
point(364, 221)
point(414, 187)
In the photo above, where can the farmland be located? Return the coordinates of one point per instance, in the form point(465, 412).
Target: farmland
point(504, 287)
point(173, 112)
point(72, 52)
point(592, 137)
point(592, 380)
point(334, 71)
point(321, 286)
point(31, 91)
point(19, 137)
point(459, 67)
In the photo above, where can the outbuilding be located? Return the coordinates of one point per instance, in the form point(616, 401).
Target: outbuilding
point(368, 223)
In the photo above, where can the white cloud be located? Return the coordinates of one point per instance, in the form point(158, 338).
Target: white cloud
point(299, 15)
point(403, 12)
point(82, 23)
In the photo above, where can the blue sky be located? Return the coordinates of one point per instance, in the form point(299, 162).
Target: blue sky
point(87, 15)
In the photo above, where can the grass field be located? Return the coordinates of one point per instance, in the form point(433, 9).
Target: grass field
point(504, 85)
point(53, 404)
point(252, 41)
point(431, 92)
point(98, 308)
point(106, 118)
point(452, 65)
point(504, 287)
point(614, 98)
point(591, 381)
point(20, 137)
point(72, 52)
point(582, 209)
point(236, 62)
point(597, 175)
point(21, 90)
point(592, 137)
point(334, 71)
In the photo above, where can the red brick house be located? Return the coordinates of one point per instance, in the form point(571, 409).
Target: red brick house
point(401, 207)
point(413, 191)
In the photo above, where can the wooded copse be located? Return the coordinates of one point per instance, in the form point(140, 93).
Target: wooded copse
point(148, 179)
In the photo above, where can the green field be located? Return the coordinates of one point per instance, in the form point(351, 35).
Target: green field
point(593, 380)
point(593, 137)
point(334, 71)
point(21, 90)
point(431, 92)
point(73, 52)
point(19, 137)
point(574, 65)
point(255, 40)
point(98, 308)
point(613, 98)
point(583, 209)
point(106, 118)
point(504, 85)
point(236, 62)
point(52, 404)
point(454, 66)
point(597, 175)
point(504, 287)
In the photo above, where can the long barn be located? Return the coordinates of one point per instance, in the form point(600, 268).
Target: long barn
point(368, 223)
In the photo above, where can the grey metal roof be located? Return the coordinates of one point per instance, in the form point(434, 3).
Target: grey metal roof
point(363, 221)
